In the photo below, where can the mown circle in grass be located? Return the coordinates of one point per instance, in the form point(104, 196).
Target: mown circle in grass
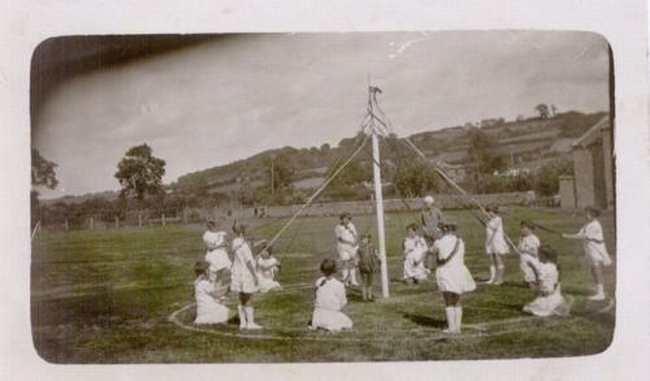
point(183, 318)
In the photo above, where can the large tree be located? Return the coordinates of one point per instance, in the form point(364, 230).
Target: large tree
point(280, 172)
point(415, 178)
point(43, 174)
point(140, 173)
point(482, 157)
point(543, 110)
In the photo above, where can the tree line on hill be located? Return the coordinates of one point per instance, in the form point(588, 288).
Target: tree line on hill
point(269, 178)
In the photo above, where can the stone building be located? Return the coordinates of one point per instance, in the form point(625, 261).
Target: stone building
point(593, 166)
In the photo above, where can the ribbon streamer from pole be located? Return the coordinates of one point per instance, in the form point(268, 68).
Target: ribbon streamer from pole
point(459, 189)
point(316, 194)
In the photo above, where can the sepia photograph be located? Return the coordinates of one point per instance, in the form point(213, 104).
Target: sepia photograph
point(323, 197)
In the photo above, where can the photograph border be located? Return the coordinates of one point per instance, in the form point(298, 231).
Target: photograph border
point(622, 23)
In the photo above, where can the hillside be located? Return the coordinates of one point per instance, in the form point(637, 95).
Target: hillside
point(525, 143)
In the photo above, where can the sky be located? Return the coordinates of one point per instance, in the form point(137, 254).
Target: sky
point(217, 100)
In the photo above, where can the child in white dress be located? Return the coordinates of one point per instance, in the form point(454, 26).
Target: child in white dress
point(549, 299)
point(244, 278)
point(329, 301)
point(495, 245)
point(452, 275)
point(415, 251)
point(593, 242)
point(267, 267)
point(216, 244)
point(209, 297)
point(528, 246)
point(347, 246)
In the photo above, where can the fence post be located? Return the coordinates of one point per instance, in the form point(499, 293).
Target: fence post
point(117, 222)
point(92, 224)
point(139, 220)
point(163, 219)
point(67, 227)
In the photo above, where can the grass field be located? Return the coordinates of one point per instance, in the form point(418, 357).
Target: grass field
point(107, 297)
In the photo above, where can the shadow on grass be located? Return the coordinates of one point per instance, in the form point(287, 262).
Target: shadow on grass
point(576, 290)
point(425, 321)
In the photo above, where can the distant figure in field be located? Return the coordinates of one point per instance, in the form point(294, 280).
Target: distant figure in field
point(267, 267)
point(329, 300)
point(452, 275)
point(495, 245)
point(347, 246)
point(528, 246)
point(368, 265)
point(593, 242)
point(244, 277)
point(216, 244)
point(415, 251)
point(549, 299)
point(209, 296)
point(431, 217)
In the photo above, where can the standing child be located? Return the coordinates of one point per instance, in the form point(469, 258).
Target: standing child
point(329, 301)
point(528, 247)
point(549, 299)
point(495, 245)
point(452, 275)
point(244, 277)
point(368, 264)
point(216, 256)
point(347, 246)
point(209, 296)
point(267, 267)
point(595, 250)
point(415, 251)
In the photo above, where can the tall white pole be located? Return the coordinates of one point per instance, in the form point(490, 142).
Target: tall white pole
point(381, 236)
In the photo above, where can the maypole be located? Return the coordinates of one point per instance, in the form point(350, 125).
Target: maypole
point(375, 129)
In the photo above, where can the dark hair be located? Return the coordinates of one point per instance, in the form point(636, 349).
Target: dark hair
point(528, 223)
point(448, 226)
point(493, 209)
point(200, 267)
point(345, 215)
point(211, 223)
point(593, 211)
point(328, 266)
point(548, 253)
point(238, 228)
point(412, 226)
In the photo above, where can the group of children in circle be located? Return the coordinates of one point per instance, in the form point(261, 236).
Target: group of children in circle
point(217, 275)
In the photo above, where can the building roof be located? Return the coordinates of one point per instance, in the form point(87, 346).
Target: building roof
point(593, 134)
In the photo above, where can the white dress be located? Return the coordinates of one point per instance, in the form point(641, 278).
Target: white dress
point(216, 256)
point(266, 269)
point(330, 299)
point(495, 242)
point(208, 308)
point(594, 243)
point(528, 247)
point(550, 301)
point(348, 233)
point(415, 250)
point(453, 276)
point(242, 278)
